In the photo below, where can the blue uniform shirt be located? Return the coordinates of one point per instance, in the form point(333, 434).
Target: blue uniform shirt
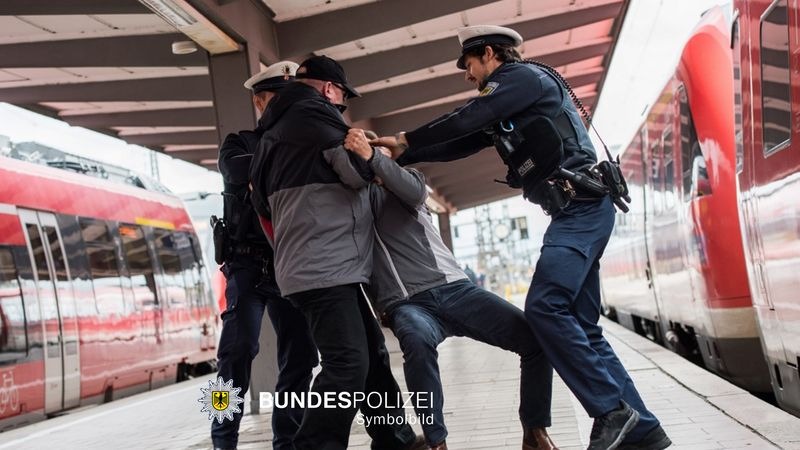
point(514, 91)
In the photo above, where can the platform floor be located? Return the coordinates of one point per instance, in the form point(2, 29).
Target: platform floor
point(697, 409)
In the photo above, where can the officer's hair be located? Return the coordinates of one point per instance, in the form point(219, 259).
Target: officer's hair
point(262, 95)
point(502, 52)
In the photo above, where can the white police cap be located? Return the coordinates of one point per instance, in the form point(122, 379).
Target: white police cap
point(482, 35)
point(274, 77)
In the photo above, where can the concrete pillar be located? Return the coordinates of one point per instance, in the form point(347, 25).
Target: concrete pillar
point(444, 229)
point(234, 109)
point(233, 104)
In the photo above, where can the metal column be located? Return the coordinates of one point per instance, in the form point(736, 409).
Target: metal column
point(444, 229)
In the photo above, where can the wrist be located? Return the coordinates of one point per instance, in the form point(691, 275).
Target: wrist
point(402, 142)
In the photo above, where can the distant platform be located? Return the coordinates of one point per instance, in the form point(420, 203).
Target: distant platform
point(698, 409)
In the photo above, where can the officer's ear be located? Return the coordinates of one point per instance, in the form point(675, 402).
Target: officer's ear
point(489, 53)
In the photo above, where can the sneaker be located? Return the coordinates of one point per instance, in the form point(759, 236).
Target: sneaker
point(610, 429)
point(656, 439)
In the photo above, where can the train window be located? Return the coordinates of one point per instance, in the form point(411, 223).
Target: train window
point(775, 89)
point(167, 246)
point(655, 176)
point(668, 180)
point(192, 265)
point(738, 118)
point(690, 146)
point(103, 266)
point(55, 250)
point(13, 335)
point(42, 271)
point(140, 266)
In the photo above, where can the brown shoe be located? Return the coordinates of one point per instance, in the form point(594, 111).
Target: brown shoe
point(440, 446)
point(537, 438)
point(418, 444)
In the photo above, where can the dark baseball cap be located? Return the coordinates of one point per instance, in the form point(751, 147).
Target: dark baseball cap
point(326, 69)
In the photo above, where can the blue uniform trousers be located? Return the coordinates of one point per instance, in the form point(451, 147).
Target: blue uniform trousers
point(247, 295)
point(462, 309)
point(563, 308)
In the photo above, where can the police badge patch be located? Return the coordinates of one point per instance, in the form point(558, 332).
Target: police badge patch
point(490, 87)
point(220, 400)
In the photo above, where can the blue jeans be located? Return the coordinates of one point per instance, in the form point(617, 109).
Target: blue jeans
point(462, 309)
point(247, 295)
point(563, 308)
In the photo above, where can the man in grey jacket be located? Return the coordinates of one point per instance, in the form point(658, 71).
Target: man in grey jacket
point(323, 239)
point(426, 297)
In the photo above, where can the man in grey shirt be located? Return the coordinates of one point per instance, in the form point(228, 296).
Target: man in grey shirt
point(418, 286)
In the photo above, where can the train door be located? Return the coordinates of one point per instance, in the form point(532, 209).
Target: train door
point(57, 308)
point(775, 159)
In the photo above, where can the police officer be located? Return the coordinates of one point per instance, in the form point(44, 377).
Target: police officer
point(525, 109)
point(251, 287)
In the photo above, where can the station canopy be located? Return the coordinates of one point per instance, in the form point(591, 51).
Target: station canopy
point(126, 67)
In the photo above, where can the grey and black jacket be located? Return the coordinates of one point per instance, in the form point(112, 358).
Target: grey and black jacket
point(410, 256)
point(317, 196)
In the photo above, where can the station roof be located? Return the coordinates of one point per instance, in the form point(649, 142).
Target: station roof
point(108, 65)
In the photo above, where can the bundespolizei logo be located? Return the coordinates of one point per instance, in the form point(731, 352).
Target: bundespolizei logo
point(220, 400)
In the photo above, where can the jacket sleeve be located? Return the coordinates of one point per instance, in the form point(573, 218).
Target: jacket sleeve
point(352, 170)
point(234, 160)
point(447, 151)
point(510, 90)
point(406, 185)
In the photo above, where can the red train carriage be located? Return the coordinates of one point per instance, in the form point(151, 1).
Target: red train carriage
point(766, 49)
point(674, 269)
point(103, 292)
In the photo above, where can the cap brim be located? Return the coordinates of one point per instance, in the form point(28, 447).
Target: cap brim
point(350, 91)
point(276, 86)
point(460, 63)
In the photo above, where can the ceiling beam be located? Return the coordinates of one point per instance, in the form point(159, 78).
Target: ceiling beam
point(194, 156)
point(390, 124)
point(67, 7)
point(382, 101)
point(152, 50)
point(479, 173)
point(408, 120)
point(191, 88)
point(295, 37)
point(204, 137)
point(473, 199)
point(179, 117)
point(383, 65)
point(246, 21)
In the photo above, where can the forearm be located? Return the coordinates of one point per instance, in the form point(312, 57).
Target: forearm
point(408, 186)
point(446, 151)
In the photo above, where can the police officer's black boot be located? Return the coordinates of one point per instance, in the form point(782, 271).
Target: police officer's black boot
point(610, 429)
point(656, 439)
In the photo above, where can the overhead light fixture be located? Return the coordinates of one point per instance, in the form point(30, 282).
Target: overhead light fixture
point(183, 47)
point(189, 21)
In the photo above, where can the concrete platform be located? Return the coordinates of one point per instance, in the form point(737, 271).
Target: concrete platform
point(698, 410)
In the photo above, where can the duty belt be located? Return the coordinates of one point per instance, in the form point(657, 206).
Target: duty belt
point(255, 251)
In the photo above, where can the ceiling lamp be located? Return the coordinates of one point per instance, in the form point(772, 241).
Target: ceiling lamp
point(189, 21)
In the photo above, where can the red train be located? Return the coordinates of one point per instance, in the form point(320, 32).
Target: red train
point(766, 55)
point(103, 292)
point(675, 268)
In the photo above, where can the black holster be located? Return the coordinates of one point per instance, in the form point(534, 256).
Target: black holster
point(221, 237)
